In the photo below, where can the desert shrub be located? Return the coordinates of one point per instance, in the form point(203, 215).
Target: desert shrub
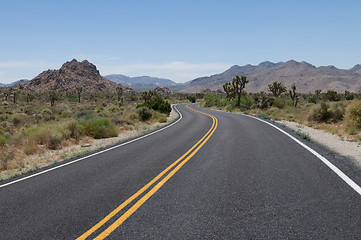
point(5, 157)
point(74, 130)
point(192, 99)
point(312, 99)
point(326, 113)
point(162, 119)
point(353, 117)
point(47, 111)
point(144, 113)
point(4, 117)
point(158, 104)
point(281, 103)
point(263, 115)
point(99, 128)
point(40, 134)
point(113, 109)
point(246, 102)
point(84, 115)
point(211, 100)
point(31, 148)
point(3, 140)
point(332, 96)
point(54, 142)
point(16, 120)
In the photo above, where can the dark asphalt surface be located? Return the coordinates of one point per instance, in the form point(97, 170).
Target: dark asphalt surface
point(249, 181)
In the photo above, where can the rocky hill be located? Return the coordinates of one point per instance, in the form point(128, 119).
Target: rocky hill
point(71, 75)
point(305, 76)
point(163, 90)
point(142, 83)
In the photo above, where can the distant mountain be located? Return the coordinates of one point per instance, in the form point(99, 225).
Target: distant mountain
point(305, 76)
point(71, 75)
point(22, 81)
point(142, 83)
point(216, 81)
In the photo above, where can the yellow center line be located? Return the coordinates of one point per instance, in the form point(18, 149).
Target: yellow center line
point(128, 213)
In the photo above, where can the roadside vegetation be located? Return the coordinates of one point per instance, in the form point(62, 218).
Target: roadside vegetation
point(337, 113)
point(36, 123)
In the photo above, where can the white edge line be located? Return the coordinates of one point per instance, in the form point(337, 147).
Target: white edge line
point(94, 154)
point(343, 176)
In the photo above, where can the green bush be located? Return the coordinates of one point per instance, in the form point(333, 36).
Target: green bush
point(281, 103)
point(144, 113)
point(312, 99)
point(84, 115)
point(192, 99)
point(54, 141)
point(3, 140)
point(263, 115)
point(99, 128)
point(211, 100)
point(47, 111)
point(246, 102)
point(353, 117)
point(162, 119)
point(39, 134)
point(74, 130)
point(157, 104)
point(326, 113)
point(332, 96)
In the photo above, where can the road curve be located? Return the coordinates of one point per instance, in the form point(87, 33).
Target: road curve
point(243, 179)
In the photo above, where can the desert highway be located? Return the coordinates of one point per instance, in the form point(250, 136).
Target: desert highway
point(211, 175)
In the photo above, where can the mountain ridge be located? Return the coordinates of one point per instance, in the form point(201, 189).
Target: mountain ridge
point(304, 75)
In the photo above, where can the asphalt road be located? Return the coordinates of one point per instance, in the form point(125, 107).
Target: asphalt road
point(241, 179)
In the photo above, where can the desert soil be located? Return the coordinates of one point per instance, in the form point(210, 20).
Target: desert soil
point(335, 143)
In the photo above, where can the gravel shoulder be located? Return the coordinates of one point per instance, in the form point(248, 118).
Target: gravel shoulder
point(335, 143)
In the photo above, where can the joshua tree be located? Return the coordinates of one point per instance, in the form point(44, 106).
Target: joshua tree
point(147, 95)
point(262, 100)
point(14, 97)
point(294, 95)
point(317, 92)
point(52, 98)
point(6, 95)
point(227, 87)
point(238, 84)
point(119, 90)
point(277, 88)
point(79, 90)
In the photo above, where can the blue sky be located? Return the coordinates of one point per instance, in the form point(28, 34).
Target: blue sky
point(179, 40)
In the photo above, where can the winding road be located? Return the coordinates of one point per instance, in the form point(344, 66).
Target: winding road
point(211, 175)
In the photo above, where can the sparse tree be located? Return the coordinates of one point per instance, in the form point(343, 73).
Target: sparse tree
point(277, 88)
point(119, 90)
point(238, 84)
point(348, 95)
point(317, 92)
point(294, 95)
point(79, 90)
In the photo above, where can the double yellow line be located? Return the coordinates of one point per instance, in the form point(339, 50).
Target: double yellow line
point(175, 166)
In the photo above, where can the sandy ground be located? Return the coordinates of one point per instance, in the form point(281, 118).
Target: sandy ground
point(333, 142)
point(73, 149)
